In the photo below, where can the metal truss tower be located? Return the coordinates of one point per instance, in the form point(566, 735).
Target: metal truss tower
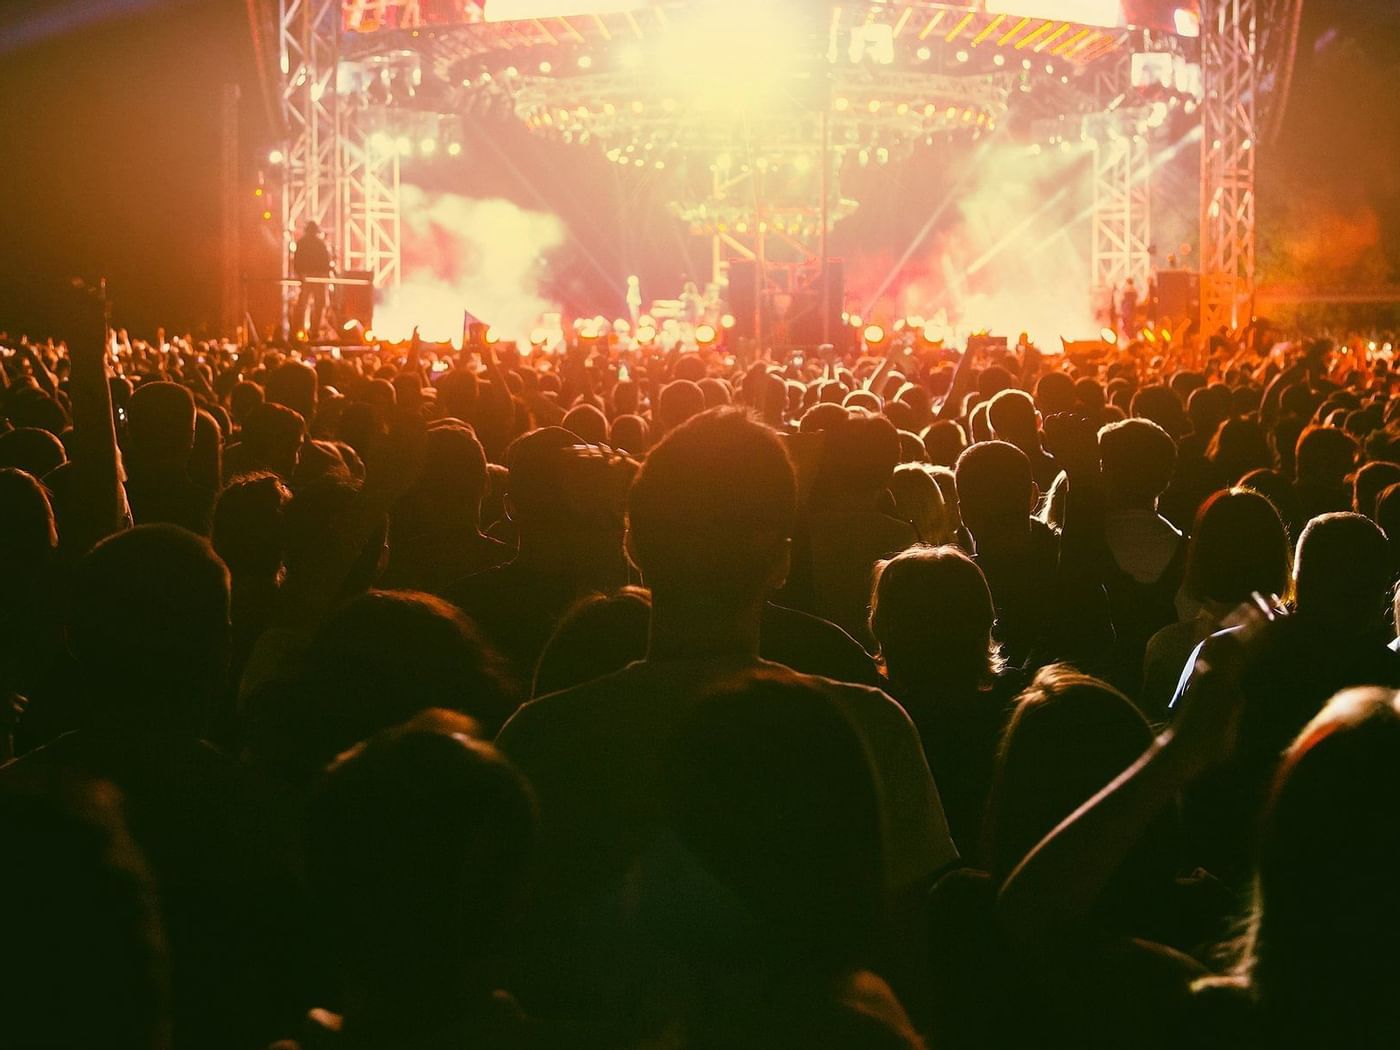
point(1122, 162)
point(333, 173)
point(1230, 66)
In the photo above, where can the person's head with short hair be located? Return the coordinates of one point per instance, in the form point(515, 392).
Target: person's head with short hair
point(32, 450)
point(767, 785)
point(148, 624)
point(1014, 419)
point(996, 491)
point(1325, 456)
point(630, 434)
point(1238, 547)
point(271, 439)
point(679, 400)
point(160, 425)
point(588, 422)
point(711, 514)
point(1138, 460)
point(993, 379)
point(1207, 407)
point(716, 391)
point(1342, 573)
point(418, 851)
point(1239, 447)
point(247, 531)
point(858, 458)
point(1388, 513)
point(534, 489)
point(822, 416)
point(979, 422)
point(944, 442)
point(383, 656)
point(1161, 405)
point(931, 613)
point(242, 398)
point(602, 633)
point(1054, 393)
point(447, 496)
point(295, 385)
point(1371, 480)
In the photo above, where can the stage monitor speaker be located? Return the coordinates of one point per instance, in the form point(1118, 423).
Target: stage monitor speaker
point(355, 302)
point(1178, 294)
point(743, 296)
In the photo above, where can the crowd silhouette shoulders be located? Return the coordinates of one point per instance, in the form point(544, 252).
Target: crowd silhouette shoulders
point(690, 699)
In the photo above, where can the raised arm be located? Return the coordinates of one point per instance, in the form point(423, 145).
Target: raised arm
point(96, 462)
point(1057, 885)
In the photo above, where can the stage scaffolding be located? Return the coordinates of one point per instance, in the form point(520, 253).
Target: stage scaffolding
point(337, 171)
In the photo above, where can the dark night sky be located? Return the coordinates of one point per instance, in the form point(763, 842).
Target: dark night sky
point(109, 123)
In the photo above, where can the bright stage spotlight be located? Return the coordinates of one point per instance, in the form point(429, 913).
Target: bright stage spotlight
point(705, 334)
point(1109, 336)
point(276, 157)
point(538, 338)
point(874, 335)
point(646, 335)
point(935, 334)
point(427, 147)
point(727, 321)
point(454, 149)
point(491, 337)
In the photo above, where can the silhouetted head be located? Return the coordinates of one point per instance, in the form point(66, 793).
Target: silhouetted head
point(1068, 737)
point(1325, 456)
point(944, 442)
point(1321, 955)
point(1238, 547)
point(243, 398)
point(1342, 572)
point(160, 424)
point(630, 434)
point(599, 635)
point(858, 458)
point(1159, 404)
point(769, 787)
point(919, 501)
point(31, 450)
point(534, 492)
point(417, 856)
point(588, 422)
point(1013, 418)
point(1371, 480)
point(996, 491)
point(272, 438)
point(932, 615)
point(711, 513)
point(84, 960)
point(1239, 447)
point(28, 534)
point(680, 400)
point(1138, 459)
point(247, 531)
point(1054, 392)
point(384, 656)
point(822, 416)
point(149, 627)
point(294, 385)
point(449, 491)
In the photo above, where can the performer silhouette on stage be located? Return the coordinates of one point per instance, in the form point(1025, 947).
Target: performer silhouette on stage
point(312, 260)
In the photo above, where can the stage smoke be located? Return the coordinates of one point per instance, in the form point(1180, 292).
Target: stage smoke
point(482, 256)
point(1010, 254)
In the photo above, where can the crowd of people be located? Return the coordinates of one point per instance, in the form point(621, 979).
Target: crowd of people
point(950, 700)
